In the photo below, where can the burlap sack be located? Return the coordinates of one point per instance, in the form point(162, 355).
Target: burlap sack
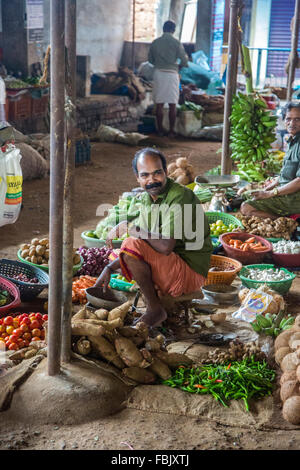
point(32, 163)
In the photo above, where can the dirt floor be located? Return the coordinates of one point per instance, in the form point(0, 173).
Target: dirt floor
point(107, 177)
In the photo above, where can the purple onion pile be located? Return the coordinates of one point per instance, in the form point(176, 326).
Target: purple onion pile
point(22, 277)
point(94, 260)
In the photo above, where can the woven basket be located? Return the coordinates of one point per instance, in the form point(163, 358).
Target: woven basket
point(282, 287)
point(14, 292)
point(28, 291)
point(222, 277)
point(245, 257)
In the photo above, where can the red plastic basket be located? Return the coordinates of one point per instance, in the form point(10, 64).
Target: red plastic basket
point(14, 292)
point(286, 260)
point(245, 257)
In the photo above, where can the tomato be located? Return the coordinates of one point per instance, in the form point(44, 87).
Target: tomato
point(42, 334)
point(36, 338)
point(36, 332)
point(9, 329)
point(1, 321)
point(34, 324)
point(2, 328)
point(27, 336)
point(38, 316)
point(45, 317)
point(24, 327)
point(26, 321)
point(32, 315)
point(24, 315)
point(21, 343)
point(13, 338)
point(26, 343)
point(13, 347)
point(3, 335)
point(16, 322)
point(18, 332)
point(8, 321)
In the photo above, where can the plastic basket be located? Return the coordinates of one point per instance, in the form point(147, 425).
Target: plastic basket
point(282, 287)
point(14, 292)
point(222, 277)
point(119, 284)
point(245, 257)
point(76, 267)
point(91, 242)
point(286, 260)
point(226, 218)
point(28, 291)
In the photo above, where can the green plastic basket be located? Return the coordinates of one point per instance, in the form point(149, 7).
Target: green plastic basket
point(226, 218)
point(274, 240)
point(282, 287)
point(76, 267)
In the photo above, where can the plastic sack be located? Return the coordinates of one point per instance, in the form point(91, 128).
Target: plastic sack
point(146, 71)
point(11, 180)
point(255, 303)
point(200, 58)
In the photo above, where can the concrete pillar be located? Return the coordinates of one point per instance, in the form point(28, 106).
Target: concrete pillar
point(259, 37)
point(176, 14)
point(203, 33)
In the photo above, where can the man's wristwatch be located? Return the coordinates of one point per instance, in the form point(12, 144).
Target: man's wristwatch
point(275, 191)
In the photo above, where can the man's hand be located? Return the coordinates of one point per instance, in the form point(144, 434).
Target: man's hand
point(117, 232)
point(104, 279)
point(262, 195)
point(271, 184)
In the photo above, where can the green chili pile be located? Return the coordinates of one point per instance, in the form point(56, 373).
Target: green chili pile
point(237, 380)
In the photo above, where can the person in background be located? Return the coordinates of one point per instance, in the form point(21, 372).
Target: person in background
point(164, 54)
point(281, 196)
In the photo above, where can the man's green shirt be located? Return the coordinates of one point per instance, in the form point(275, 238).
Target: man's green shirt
point(291, 163)
point(165, 51)
point(177, 213)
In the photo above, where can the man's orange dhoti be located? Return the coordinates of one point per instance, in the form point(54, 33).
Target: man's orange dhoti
point(170, 273)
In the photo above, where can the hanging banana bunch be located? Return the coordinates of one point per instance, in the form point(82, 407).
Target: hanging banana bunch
point(252, 132)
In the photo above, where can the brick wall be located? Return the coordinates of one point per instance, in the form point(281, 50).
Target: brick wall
point(145, 21)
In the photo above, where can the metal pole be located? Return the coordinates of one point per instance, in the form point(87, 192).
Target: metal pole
point(68, 234)
point(231, 77)
point(57, 101)
point(133, 35)
point(293, 57)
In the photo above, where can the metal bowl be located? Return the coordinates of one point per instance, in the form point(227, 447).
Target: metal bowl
point(109, 299)
point(221, 292)
point(216, 180)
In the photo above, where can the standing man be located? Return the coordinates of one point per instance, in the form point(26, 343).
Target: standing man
point(164, 54)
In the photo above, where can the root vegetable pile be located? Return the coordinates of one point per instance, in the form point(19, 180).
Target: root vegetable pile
point(282, 227)
point(181, 171)
point(248, 245)
point(22, 277)
point(94, 260)
point(78, 288)
point(37, 252)
point(103, 335)
point(236, 351)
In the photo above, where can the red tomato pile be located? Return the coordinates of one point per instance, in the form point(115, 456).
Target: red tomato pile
point(19, 331)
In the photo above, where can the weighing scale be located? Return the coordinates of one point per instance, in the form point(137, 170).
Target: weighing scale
point(217, 184)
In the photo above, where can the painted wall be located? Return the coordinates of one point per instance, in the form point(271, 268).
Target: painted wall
point(101, 29)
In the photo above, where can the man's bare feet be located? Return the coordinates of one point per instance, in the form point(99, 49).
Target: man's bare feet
point(153, 317)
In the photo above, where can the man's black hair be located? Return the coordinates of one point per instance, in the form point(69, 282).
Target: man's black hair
point(289, 106)
point(169, 27)
point(148, 151)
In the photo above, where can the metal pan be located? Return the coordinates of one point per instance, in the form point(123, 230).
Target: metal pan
point(109, 299)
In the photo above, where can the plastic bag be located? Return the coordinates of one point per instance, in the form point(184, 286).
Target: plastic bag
point(11, 180)
point(255, 303)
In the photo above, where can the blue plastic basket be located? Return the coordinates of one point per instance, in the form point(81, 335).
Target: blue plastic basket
point(28, 291)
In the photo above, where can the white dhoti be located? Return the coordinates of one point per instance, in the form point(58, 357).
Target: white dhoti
point(165, 86)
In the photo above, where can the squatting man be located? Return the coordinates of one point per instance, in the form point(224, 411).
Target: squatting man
point(168, 249)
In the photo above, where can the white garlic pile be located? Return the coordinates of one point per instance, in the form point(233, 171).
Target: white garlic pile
point(286, 247)
point(266, 275)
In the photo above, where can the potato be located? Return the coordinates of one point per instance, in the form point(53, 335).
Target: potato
point(289, 362)
point(178, 172)
point(35, 241)
point(143, 376)
point(106, 350)
point(282, 339)
point(289, 389)
point(128, 352)
point(291, 410)
point(218, 317)
point(161, 369)
point(24, 246)
point(39, 260)
point(40, 250)
point(288, 375)
point(24, 253)
point(46, 254)
point(33, 259)
point(28, 258)
point(281, 353)
point(44, 241)
point(32, 252)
